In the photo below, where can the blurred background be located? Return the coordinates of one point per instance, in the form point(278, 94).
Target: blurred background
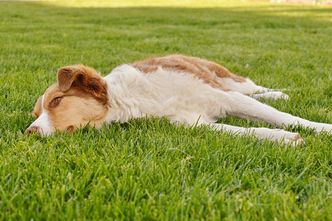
point(178, 3)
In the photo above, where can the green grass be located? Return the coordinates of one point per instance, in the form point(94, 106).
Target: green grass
point(149, 169)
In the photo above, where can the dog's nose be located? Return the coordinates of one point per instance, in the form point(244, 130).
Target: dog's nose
point(33, 129)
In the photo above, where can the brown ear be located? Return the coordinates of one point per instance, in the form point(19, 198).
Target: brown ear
point(66, 77)
point(83, 78)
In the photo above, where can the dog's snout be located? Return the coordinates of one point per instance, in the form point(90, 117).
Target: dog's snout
point(33, 129)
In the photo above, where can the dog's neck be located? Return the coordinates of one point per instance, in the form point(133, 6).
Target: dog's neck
point(122, 106)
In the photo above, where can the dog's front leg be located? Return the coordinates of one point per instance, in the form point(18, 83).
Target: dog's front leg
point(277, 135)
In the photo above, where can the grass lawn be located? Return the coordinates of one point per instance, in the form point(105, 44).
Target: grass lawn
point(149, 169)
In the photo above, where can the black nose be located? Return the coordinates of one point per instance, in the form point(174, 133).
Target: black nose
point(33, 129)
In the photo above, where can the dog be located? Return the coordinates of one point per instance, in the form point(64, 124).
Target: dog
point(186, 90)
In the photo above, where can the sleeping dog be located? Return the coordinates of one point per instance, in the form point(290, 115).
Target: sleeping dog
point(186, 90)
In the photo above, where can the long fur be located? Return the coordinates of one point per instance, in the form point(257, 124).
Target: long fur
point(186, 90)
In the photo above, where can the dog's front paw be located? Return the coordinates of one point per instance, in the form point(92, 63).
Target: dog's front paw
point(280, 136)
point(293, 139)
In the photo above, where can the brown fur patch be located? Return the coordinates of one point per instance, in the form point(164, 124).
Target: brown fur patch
point(206, 70)
point(83, 78)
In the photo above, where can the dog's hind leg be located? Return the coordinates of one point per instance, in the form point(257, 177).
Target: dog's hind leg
point(273, 95)
point(248, 87)
point(249, 108)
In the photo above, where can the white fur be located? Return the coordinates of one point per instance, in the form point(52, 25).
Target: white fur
point(182, 98)
point(185, 99)
point(250, 88)
point(250, 108)
point(263, 133)
point(247, 87)
point(178, 96)
point(42, 123)
point(274, 95)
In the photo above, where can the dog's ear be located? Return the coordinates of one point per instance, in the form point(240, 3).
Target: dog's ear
point(83, 78)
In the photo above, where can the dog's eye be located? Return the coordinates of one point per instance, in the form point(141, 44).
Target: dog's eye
point(55, 102)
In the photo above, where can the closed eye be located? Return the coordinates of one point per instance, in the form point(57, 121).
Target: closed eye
point(55, 102)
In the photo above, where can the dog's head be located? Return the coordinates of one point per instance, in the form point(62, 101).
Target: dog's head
point(77, 99)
